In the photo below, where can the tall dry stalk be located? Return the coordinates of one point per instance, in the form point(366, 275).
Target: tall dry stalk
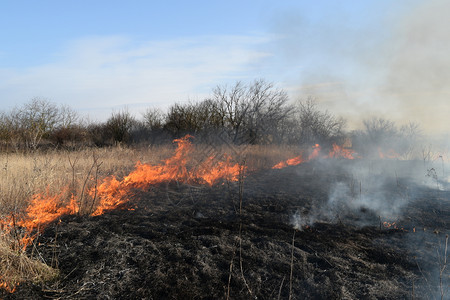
point(241, 197)
point(292, 266)
point(442, 268)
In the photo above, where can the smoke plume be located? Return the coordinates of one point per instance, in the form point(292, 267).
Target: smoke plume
point(394, 65)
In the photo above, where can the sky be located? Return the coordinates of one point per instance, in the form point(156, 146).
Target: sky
point(359, 59)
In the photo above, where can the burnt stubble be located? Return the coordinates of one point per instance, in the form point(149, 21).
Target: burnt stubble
point(180, 241)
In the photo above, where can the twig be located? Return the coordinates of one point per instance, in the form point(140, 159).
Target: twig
point(97, 167)
point(84, 184)
point(231, 272)
point(442, 266)
point(292, 266)
point(241, 193)
point(423, 275)
point(55, 262)
point(72, 165)
point(281, 287)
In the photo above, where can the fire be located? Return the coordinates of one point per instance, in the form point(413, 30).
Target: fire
point(394, 225)
point(298, 159)
point(390, 225)
point(5, 286)
point(336, 152)
point(290, 162)
point(45, 208)
point(111, 192)
point(341, 152)
point(42, 210)
point(389, 154)
point(315, 153)
point(210, 174)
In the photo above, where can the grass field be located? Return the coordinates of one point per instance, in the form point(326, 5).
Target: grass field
point(227, 232)
point(25, 175)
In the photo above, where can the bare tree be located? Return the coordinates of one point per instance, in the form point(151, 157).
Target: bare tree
point(68, 117)
point(153, 119)
point(182, 119)
point(316, 126)
point(232, 106)
point(411, 135)
point(380, 130)
point(119, 126)
point(251, 113)
point(35, 120)
point(199, 118)
point(382, 136)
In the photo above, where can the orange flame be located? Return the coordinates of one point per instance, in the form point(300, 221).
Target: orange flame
point(44, 209)
point(315, 153)
point(390, 225)
point(393, 225)
point(7, 287)
point(336, 152)
point(389, 154)
point(223, 170)
point(290, 162)
point(112, 193)
point(298, 159)
point(339, 151)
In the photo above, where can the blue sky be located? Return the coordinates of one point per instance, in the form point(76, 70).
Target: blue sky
point(100, 56)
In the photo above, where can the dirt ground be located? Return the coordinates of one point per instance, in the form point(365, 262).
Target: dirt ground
point(178, 241)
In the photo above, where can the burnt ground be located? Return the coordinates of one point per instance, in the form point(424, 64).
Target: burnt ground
point(191, 242)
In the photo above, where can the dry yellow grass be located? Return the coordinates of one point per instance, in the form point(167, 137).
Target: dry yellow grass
point(25, 175)
point(16, 267)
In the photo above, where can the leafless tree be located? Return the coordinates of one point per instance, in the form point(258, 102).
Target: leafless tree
point(153, 119)
point(119, 126)
point(379, 130)
point(381, 136)
point(199, 118)
point(251, 113)
point(316, 126)
point(32, 122)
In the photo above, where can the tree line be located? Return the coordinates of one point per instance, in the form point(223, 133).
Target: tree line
point(253, 113)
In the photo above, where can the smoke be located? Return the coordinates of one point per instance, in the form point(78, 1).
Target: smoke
point(369, 192)
point(393, 65)
point(418, 66)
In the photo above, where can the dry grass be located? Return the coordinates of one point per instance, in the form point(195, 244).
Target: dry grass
point(24, 175)
point(16, 267)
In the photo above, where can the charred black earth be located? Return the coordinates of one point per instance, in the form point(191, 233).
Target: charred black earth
point(179, 241)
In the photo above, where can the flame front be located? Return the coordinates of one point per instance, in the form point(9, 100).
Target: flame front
point(342, 152)
point(336, 152)
point(111, 192)
point(389, 154)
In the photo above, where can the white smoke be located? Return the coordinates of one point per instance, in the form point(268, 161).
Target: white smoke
point(372, 191)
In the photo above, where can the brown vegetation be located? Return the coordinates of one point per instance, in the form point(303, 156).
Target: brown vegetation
point(254, 129)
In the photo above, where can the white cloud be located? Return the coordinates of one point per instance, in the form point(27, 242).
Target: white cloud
point(99, 73)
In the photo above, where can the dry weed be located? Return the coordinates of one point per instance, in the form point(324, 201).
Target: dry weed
point(16, 268)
